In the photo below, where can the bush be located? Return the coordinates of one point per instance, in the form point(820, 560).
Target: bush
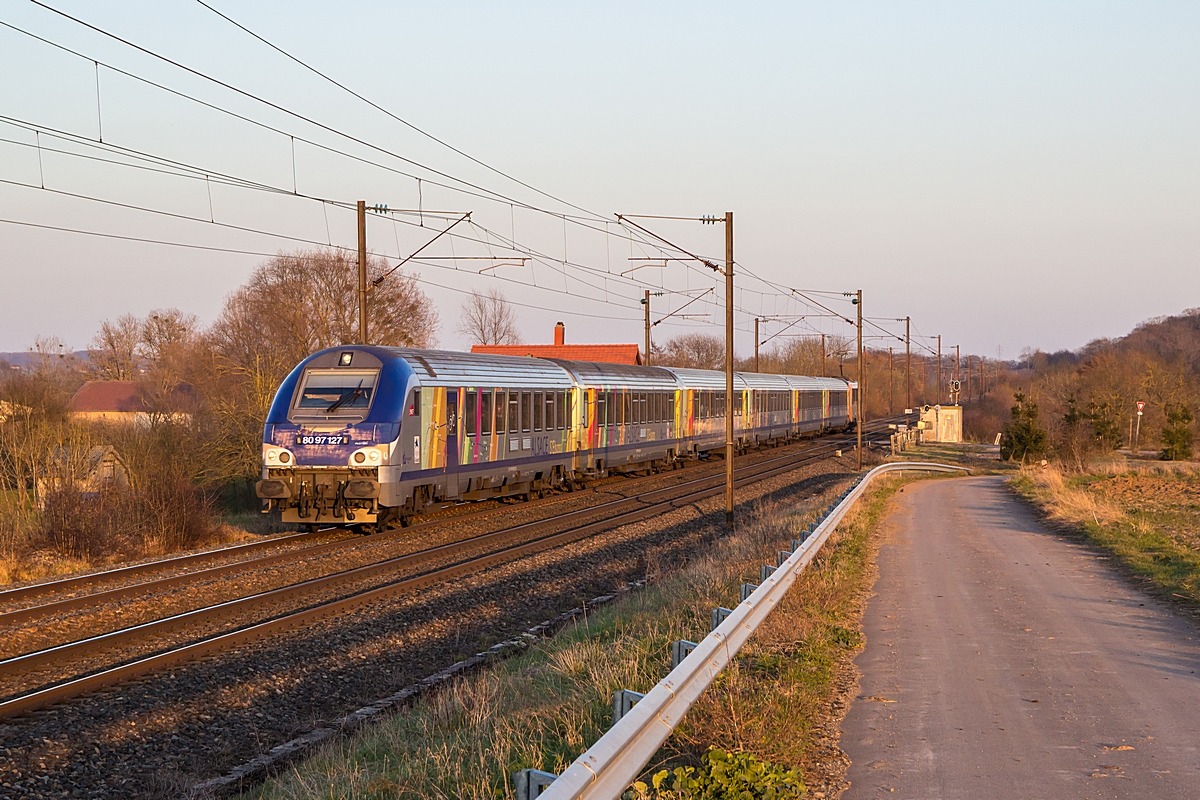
point(1177, 434)
point(1023, 437)
point(722, 776)
point(168, 515)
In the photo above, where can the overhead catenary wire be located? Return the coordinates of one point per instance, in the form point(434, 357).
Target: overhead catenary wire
point(473, 189)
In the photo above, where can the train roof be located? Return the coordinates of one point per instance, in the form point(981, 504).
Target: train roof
point(766, 381)
point(451, 368)
point(591, 373)
point(808, 383)
point(704, 378)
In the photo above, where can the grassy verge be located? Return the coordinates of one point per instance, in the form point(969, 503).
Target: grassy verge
point(1147, 516)
point(780, 701)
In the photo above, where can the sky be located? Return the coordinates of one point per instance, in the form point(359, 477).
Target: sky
point(1010, 175)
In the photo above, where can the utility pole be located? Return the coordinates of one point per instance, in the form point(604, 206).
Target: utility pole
point(907, 363)
point(858, 416)
point(891, 382)
point(362, 271)
point(729, 371)
point(646, 300)
point(756, 344)
point(956, 362)
point(939, 371)
point(822, 355)
point(924, 378)
point(969, 378)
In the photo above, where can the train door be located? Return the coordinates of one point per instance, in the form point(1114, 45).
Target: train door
point(451, 430)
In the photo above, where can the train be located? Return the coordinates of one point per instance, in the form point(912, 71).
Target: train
point(368, 437)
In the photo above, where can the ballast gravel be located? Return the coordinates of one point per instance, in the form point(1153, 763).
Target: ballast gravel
point(164, 734)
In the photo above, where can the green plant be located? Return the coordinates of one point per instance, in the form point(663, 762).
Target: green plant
point(1023, 437)
point(1177, 433)
point(722, 776)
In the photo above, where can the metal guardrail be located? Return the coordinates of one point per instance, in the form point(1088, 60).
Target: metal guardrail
point(615, 760)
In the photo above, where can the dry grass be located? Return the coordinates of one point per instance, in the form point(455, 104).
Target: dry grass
point(545, 707)
point(1147, 514)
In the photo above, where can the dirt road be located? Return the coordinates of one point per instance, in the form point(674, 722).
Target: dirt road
point(1005, 661)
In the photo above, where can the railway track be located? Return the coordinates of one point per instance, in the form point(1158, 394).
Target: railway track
point(72, 593)
point(402, 574)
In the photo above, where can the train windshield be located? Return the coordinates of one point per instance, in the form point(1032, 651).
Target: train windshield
point(334, 391)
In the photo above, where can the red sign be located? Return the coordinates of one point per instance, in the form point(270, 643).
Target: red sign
point(1141, 406)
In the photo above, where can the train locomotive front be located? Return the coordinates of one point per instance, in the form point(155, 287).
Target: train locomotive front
point(334, 432)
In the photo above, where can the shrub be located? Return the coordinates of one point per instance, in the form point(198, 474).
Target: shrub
point(167, 515)
point(1177, 434)
point(1023, 437)
point(722, 776)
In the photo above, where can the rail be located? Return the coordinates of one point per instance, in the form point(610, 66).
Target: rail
point(615, 760)
point(510, 544)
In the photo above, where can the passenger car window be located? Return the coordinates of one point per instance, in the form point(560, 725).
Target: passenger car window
point(514, 421)
point(470, 412)
point(538, 410)
point(485, 413)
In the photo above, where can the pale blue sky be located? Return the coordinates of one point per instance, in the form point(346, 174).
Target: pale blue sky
point(1009, 174)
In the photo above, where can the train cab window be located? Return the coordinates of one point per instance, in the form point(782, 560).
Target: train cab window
point(526, 411)
point(485, 413)
point(470, 414)
point(538, 410)
point(514, 412)
point(414, 405)
point(340, 392)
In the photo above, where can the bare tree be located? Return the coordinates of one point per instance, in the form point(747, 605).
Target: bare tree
point(296, 304)
point(114, 349)
point(489, 318)
point(695, 350)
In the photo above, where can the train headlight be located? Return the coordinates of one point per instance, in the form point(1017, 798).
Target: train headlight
point(367, 457)
point(276, 456)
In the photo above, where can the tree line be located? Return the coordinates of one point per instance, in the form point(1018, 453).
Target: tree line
point(207, 390)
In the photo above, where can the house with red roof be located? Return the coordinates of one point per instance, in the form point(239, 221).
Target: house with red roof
point(603, 353)
point(127, 403)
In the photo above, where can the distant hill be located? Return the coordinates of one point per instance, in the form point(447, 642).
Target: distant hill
point(1170, 338)
point(26, 358)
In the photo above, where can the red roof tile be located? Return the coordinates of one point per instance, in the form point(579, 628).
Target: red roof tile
point(128, 397)
point(604, 353)
point(109, 396)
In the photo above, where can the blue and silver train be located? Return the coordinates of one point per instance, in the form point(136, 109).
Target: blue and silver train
point(370, 436)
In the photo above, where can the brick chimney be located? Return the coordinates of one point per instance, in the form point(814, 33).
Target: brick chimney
point(560, 334)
